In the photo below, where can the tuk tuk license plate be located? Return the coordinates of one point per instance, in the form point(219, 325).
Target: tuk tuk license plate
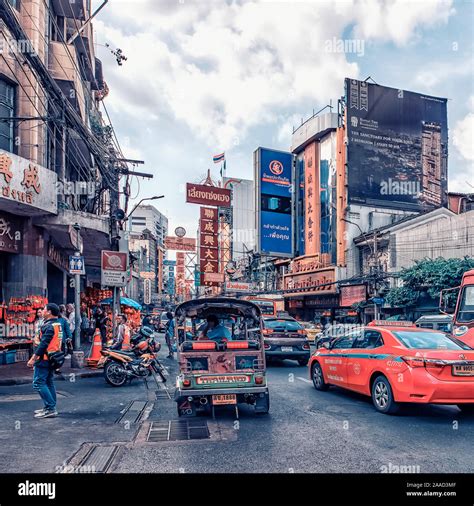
point(224, 399)
point(463, 370)
point(287, 348)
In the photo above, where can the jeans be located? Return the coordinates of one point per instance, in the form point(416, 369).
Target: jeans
point(43, 383)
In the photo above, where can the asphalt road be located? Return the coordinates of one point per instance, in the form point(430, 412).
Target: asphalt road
point(305, 431)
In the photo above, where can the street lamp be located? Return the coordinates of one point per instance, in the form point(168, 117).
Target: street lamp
point(156, 197)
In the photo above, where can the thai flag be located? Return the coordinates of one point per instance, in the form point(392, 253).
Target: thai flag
point(218, 158)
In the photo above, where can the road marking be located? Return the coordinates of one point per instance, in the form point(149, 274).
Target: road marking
point(303, 379)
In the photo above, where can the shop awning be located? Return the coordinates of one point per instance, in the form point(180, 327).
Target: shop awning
point(124, 301)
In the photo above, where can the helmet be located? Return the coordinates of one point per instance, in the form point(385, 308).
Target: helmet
point(146, 331)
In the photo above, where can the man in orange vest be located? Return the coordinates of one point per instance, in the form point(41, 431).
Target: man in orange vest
point(51, 336)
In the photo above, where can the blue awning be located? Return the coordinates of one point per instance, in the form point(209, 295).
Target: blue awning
point(124, 301)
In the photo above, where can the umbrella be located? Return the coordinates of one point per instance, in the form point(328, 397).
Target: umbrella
point(124, 301)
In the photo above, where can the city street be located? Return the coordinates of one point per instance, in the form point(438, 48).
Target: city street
point(306, 431)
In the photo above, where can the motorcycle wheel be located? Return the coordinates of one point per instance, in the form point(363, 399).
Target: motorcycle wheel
point(114, 374)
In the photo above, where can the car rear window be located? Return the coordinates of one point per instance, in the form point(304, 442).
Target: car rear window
point(429, 340)
point(285, 325)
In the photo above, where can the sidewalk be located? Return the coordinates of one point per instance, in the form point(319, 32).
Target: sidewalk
point(20, 374)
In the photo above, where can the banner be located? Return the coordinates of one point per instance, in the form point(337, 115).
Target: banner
point(274, 180)
point(397, 148)
point(207, 195)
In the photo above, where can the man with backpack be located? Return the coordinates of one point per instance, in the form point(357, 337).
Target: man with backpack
point(47, 357)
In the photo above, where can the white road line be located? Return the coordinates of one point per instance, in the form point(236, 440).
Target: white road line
point(303, 379)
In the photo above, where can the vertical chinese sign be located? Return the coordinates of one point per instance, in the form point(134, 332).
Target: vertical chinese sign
point(208, 246)
point(180, 275)
point(312, 200)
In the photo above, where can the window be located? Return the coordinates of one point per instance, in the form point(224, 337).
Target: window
point(429, 340)
point(466, 307)
point(343, 342)
point(282, 325)
point(368, 339)
point(7, 110)
point(15, 4)
point(276, 204)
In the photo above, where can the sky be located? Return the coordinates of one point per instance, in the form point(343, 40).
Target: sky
point(203, 77)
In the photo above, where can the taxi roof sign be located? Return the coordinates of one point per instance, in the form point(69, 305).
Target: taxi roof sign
point(390, 323)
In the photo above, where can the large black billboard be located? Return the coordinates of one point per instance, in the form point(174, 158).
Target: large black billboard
point(397, 151)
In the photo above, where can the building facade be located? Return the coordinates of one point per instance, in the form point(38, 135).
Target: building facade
point(53, 149)
point(148, 217)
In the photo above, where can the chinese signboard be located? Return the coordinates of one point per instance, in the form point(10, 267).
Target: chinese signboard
point(312, 200)
point(180, 243)
point(397, 148)
point(207, 195)
point(274, 180)
point(25, 185)
point(114, 268)
point(208, 247)
point(11, 234)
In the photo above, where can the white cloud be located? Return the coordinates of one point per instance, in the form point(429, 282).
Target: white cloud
point(224, 68)
point(463, 135)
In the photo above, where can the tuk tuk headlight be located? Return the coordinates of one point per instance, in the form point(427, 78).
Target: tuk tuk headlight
point(460, 331)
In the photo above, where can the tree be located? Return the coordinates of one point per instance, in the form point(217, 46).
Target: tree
point(429, 277)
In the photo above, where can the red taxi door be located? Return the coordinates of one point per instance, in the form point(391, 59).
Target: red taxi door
point(335, 360)
point(362, 357)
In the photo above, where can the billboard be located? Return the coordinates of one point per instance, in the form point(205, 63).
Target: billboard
point(397, 147)
point(180, 243)
point(207, 195)
point(274, 202)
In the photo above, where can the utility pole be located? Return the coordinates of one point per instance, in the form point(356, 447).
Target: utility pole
point(376, 276)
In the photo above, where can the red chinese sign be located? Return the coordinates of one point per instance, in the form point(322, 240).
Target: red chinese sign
point(208, 249)
point(312, 203)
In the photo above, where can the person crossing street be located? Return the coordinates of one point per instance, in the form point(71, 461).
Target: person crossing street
point(169, 333)
point(51, 337)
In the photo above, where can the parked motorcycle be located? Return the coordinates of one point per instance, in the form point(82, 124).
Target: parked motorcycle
point(139, 362)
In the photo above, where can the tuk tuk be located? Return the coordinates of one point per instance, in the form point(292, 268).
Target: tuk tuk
point(221, 357)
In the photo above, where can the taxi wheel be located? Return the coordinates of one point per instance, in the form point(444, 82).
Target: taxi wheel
point(318, 378)
point(382, 396)
point(467, 409)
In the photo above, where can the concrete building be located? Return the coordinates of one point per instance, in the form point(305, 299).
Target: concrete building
point(52, 174)
point(243, 216)
point(148, 217)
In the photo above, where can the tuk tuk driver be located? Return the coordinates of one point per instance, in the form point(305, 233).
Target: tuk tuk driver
point(215, 330)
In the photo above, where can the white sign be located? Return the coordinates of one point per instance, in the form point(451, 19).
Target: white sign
point(26, 184)
point(147, 291)
point(114, 268)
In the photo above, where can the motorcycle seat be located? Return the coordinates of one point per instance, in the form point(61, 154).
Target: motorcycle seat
point(128, 353)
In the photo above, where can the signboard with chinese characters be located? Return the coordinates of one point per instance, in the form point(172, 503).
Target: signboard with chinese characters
point(208, 247)
point(114, 268)
point(207, 195)
point(311, 198)
point(11, 233)
point(274, 204)
point(26, 186)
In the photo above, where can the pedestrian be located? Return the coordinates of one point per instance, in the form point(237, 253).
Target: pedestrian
point(119, 340)
point(146, 322)
point(101, 320)
point(66, 329)
point(71, 316)
point(37, 324)
point(169, 333)
point(41, 360)
point(85, 325)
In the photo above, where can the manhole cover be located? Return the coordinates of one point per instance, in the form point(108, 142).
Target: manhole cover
point(99, 459)
point(162, 394)
point(133, 413)
point(178, 430)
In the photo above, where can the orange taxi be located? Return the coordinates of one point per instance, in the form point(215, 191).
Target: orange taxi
point(396, 363)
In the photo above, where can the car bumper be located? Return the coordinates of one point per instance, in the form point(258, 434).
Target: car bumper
point(193, 392)
point(425, 388)
point(295, 355)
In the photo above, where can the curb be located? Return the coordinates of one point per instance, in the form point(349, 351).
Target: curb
point(28, 379)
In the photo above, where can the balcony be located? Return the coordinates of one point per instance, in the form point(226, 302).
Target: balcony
point(68, 9)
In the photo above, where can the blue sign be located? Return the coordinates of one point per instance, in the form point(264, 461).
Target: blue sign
point(169, 262)
point(76, 265)
point(274, 176)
